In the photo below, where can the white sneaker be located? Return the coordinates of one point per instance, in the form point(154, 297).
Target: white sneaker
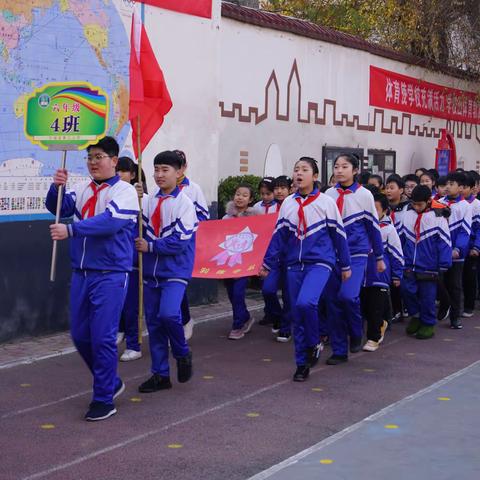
point(188, 329)
point(370, 346)
point(467, 314)
point(120, 337)
point(248, 325)
point(129, 355)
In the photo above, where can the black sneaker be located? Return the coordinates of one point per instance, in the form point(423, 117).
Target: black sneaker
point(119, 388)
point(355, 344)
point(455, 324)
point(301, 373)
point(284, 337)
point(265, 321)
point(184, 368)
point(155, 383)
point(337, 359)
point(313, 354)
point(100, 411)
point(443, 314)
point(276, 327)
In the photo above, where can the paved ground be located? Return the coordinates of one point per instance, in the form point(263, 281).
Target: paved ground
point(240, 414)
point(430, 434)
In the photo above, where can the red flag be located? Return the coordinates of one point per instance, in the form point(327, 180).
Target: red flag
point(200, 8)
point(149, 96)
point(232, 248)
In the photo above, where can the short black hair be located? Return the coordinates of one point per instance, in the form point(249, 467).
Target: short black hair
point(475, 175)
point(411, 177)
point(108, 144)
point(282, 181)
point(371, 188)
point(126, 164)
point(422, 169)
point(458, 177)
point(434, 172)
point(266, 182)
point(421, 193)
point(168, 158)
point(182, 156)
point(469, 180)
point(395, 178)
point(382, 199)
point(442, 181)
point(362, 178)
point(376, 177)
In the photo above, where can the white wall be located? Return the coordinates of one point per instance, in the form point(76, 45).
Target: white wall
point(187, 49)
point(248, 56)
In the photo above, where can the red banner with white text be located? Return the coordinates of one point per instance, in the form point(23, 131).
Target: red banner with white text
point(232, 248)
point(407, 94)
point(199, 8)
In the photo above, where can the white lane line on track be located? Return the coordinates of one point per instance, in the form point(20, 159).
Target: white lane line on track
point(69, 350)
point(352, 428)
point(143, 436)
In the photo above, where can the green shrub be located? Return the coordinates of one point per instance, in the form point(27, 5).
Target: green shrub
point(227, 187)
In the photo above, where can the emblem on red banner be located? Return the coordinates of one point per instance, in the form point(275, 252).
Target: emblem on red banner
point(234, 246)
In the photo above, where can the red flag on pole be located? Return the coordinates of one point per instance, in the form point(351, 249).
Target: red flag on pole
point(149, 96)
point(199, 8)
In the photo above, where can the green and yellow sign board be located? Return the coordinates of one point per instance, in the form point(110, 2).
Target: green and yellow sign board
point(69, 114)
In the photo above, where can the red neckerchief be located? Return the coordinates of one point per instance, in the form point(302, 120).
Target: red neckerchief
point(341, 198)
point(157, 215)
point(88, 209)
point(418, 222)
point(269, 205)
point(302, 223)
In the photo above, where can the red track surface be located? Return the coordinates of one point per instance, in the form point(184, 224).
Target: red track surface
point(240, 414)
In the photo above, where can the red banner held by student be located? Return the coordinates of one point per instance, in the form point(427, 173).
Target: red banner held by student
point(199, 8)
point(232, 248)
point(407, 94)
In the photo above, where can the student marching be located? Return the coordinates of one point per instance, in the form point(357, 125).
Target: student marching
point(350, 259)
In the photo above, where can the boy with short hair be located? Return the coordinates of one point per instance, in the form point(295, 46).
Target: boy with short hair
point(394, 190)
point(170, 222)
point(410, 181)
point(427, 250)
point(441, 187)
point(460, 224)
point(104, 215)
point(193, 191)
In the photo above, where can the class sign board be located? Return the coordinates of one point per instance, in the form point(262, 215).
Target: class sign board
point(66, 115)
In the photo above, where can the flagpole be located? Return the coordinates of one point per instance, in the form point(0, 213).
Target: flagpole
point(53, 265)
point(140, 234)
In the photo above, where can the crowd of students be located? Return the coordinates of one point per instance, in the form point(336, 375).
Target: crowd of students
point(359, 250)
